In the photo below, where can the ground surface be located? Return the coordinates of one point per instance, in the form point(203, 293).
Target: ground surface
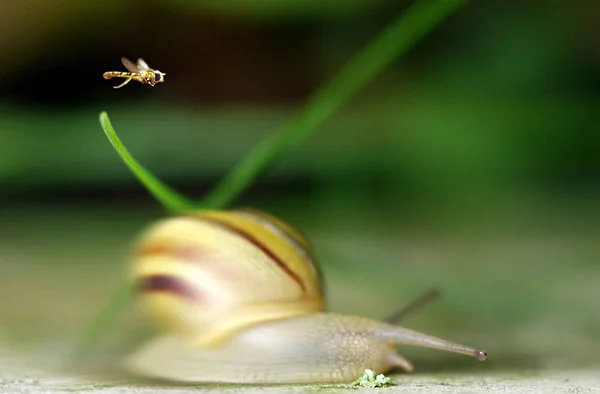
point(515, 382)
point(18, 378)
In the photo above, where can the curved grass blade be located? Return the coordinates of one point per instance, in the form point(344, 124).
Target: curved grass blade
point(168, 197)
point(105, 318)
point(392, 42)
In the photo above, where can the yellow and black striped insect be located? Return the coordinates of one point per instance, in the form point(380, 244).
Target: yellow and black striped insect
point(138, 72)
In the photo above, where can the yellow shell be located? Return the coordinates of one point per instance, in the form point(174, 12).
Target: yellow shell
point(208, 274)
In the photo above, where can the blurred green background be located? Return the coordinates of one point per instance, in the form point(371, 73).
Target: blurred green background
point(472, 163)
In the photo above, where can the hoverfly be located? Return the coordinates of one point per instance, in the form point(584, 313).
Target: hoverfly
point(140, 72)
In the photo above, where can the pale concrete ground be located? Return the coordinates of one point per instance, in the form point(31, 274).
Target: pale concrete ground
point(15, 377)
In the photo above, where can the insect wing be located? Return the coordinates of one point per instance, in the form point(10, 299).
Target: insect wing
point(142, 64)
point(129, 65)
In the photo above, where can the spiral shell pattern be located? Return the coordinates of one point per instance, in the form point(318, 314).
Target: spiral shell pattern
point(208, 274)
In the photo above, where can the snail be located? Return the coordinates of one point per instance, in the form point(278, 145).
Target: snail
point(239, 298)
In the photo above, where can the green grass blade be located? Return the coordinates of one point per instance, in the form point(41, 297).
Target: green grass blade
point(105, 318)
point(395, 40)
point(392, 42)
point(168, 197)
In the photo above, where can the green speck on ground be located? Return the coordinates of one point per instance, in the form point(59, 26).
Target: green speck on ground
point(371, 380)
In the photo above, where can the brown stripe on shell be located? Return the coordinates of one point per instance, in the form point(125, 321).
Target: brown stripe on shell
point(264, 217)
point(299, 241)
point(250, 238)
point(186, 253)
point(167, 284)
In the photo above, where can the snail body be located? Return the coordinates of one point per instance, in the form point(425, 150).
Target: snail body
point(239, 298)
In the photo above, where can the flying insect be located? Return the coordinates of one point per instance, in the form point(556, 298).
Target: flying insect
point(140, 72)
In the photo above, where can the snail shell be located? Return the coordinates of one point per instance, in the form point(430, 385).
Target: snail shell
point(211, 273)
